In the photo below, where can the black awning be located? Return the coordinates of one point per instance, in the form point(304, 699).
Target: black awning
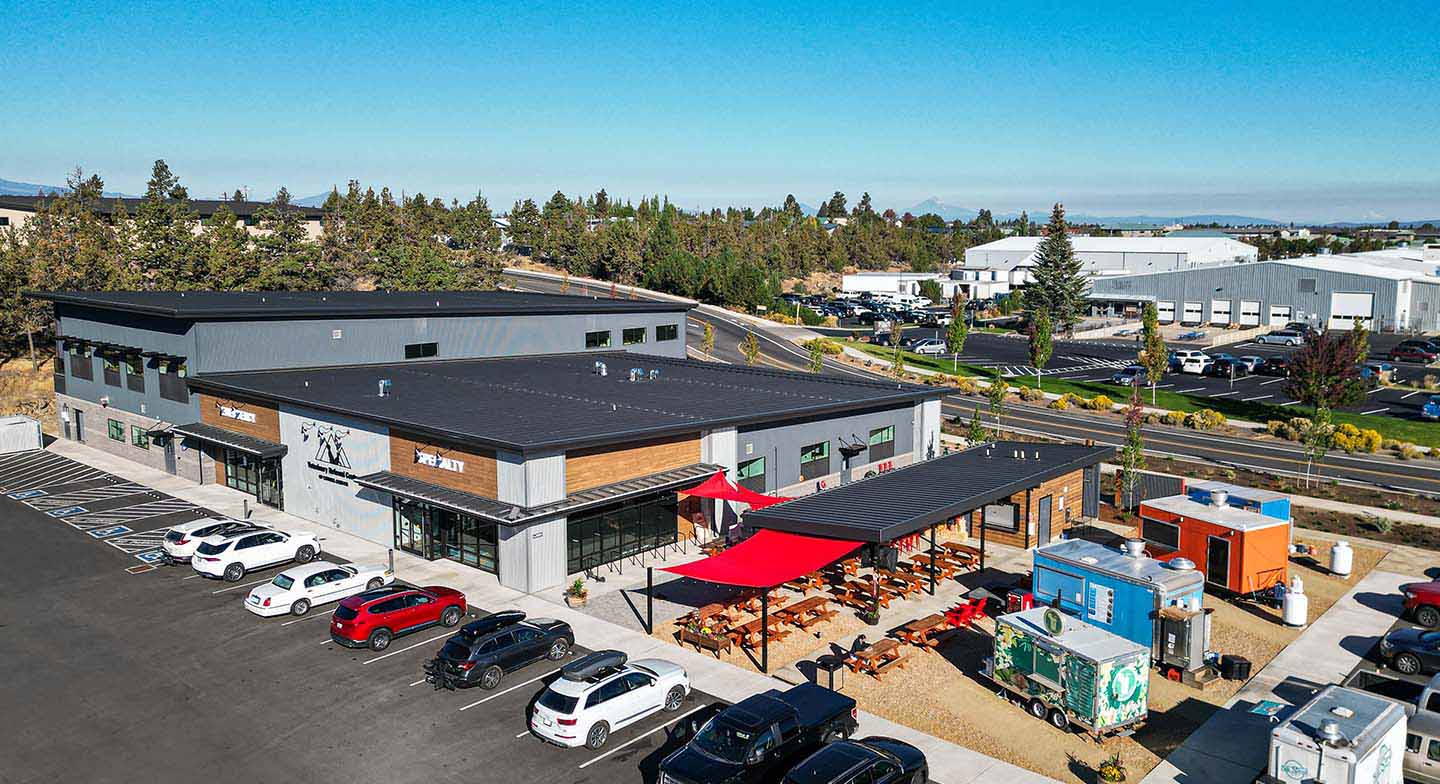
point(439, 495)
point(229, 438)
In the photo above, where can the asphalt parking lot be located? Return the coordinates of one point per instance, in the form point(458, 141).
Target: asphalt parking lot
point(161, 675)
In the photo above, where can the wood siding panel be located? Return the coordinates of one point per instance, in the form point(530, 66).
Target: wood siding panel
point(587, 468)
point(479, 476)
point(267, 416)
point(1071, 486)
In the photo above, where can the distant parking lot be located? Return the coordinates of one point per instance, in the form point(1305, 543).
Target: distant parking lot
point(164, 676)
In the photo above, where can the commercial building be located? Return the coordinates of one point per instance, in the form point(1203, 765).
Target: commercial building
point(15, 211)
point(895, 283)
point(1117, 255)
point(510, 432)
point(1391, 289)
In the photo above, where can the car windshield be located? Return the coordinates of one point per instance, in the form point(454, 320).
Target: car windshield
point(173, 536)
point(207, 548)
point(455, 650)
point(283, 582)
point(558, 702)
point(346, 613)
point(722, 741)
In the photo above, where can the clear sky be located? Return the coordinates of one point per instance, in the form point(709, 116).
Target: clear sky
point(1310, 111)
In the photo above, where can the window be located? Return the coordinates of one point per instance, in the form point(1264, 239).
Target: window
point(172, 381)
point(1002, 517)
point(139, 437)
point(815, 460)
point(117, 429)
point(1307, 285)
point(1166, 535)
point(1433, 752)
point(389, 605)
point(882, 443)
point(599, 339)
point(619, 531)
point(666, 332)
point(421, 350)
point(633, 335)
point(81, 365)
point(135, 373)
point(112, 371)
point(751, 475)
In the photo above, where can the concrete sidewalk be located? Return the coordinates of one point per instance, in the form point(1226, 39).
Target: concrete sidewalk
point(1233, 746)
point(949, 763)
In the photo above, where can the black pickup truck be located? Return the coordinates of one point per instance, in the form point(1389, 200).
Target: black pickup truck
point(757, 739)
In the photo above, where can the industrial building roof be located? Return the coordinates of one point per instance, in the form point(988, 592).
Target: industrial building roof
point(1083, 244)
point(1113, 561)
point(1224, 515)
point(352, 304)
point(560, 400)
point(910, 499)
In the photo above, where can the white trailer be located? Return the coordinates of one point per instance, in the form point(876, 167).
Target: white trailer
point(19, 434)
point(1342, 736)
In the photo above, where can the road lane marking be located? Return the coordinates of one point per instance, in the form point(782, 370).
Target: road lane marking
point(484, 700)
point(1271, 381)
point(408, 647)
point(663, 725)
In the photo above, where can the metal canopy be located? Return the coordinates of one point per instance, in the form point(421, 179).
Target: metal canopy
point(909, 500)
point(229, 438)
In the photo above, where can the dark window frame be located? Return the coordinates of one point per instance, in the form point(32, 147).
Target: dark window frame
point(172, 381)
point(111, 369)
point(139, 437)
point(600, 338)
point(134, 373)
point(632, 336)
point(1149, 524)
point(115, 429)
point(808, 467)
point(664, 332)
point(754, 482)
point(422, 350)
point(81, 360)
point(881, 450)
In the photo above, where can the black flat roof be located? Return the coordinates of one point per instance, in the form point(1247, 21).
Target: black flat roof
point(559, 401)
point(911, 499)
point(353, 304)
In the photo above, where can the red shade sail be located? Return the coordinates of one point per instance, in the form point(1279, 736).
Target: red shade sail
point(720, 486)
point(767, 559)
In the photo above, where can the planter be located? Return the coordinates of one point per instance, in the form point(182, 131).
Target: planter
point(572, 600)
point(870, 620)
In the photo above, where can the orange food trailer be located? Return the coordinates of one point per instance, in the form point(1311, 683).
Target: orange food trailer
point(1239, 550)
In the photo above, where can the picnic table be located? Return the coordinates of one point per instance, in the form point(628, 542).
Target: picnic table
point(750, 601)
point(858, 595)
point(877, 658)
point(944, 567)
point(963, 553)
point(850, 566)
point(748, 635)
point(708, 613)
point(808, 612)
point(806, 583)
point(922, 631)
point(903, 582)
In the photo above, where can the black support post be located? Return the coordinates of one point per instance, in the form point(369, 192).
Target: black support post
point(982, 536)
point(932, 559)
point(765, 630)
point(875, 579)
point(649, 600)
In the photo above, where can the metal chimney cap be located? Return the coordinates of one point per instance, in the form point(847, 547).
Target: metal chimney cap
point(1330, 733)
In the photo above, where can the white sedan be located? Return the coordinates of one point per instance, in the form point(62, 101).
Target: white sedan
point(600, 693)
point(299, 588)
point(230, 557)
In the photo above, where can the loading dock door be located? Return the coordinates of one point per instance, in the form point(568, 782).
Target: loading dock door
point(1279, 315)
point(1346, 306)
point(1219, 311)
point(1165, 311)
point(1194, 313)
point(1249, 313)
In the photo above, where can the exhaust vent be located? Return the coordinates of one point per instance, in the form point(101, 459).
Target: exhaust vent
point(601, 369)
point(384, 386)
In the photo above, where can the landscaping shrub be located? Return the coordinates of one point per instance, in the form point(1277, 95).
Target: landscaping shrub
point(828, 347)
point(1204, 419)
point(1408, 451)
point(1153, 418)
point(966, 385)
point(1060, 403)
point(1299, 425)
point(1431, 382)
point(1175, 418)
point(831, 321)
point(783, 318)
point(1031, 394)
point(1100, 403)
point(1352, 439)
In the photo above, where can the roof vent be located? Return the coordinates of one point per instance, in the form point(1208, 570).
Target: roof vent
point(1182, 564)
point(1331, 735)
point(1219, 497)
point(1037, 454)
point(1135, 548)
point(384, 387)
point(654, 374)
point(600, 368)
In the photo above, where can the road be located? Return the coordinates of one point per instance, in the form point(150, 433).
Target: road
point(1273, 456)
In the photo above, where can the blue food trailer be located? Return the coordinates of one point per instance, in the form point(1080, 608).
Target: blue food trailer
point(1153, 603)
point(1266, 502)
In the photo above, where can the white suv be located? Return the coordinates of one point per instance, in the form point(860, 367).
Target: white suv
point(181, 540)
point(230, 557)
point(1193, 362)
point(600, 693)
point(930, 346)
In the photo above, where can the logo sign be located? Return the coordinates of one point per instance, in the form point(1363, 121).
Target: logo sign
point(240, 414)
point(24, 494)
point(114, 530)
point(1293, 769)
point(1054, 622)
point(330, 461)
point(66, 512)
point(436, 460)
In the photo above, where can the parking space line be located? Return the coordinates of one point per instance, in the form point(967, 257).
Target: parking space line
point(191, 577)
point(523, 734)
point(417, 683)
point(1164, 386)
point(1222, 394)
point(311, 618)
point(1376, 411)
point(1248, 399)
point(662, 726)
point(1376, 389)
point(1271, 381)
point(1291, 403)
point(246, 585)
point(484, 700)
point(1188, 391)
point(1409, 394)
point(408, 647)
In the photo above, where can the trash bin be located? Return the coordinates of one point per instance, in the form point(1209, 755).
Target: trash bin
point(1234, 668)
point(831, 664)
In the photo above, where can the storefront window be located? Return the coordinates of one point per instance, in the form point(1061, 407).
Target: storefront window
point(751, 475)
point(615, 532)
point(882, 443)
point(242, 471)
point(433, 532)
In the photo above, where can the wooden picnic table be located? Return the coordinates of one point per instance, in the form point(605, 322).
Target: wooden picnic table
point(808, 612)
point(903, 582)
point(807, 582)
point(750, 601)
point(877, 658)
point(963, 553)
point(922, 631)
point(850, 566)
point(707, 613)
point(944, 567)
point(748, 635)
point(857, 594)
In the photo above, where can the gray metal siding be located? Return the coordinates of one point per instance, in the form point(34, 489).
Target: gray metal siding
point(152, 334)
point(1425, 301)
point(513, 556)
point(780, 445)
point(224, 346)
point(326, 493)
point(547, 542)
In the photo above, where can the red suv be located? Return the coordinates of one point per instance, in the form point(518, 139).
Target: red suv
point(1413, 351)
point(1422, 603)
point(373, 618)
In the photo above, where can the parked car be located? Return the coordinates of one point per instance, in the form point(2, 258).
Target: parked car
point(1276, 366)
point(181, 540)
point(874, 760)
point(1306, 329)
point(757, 739)
point(299, 588)
point(1422, 602)
point(373, 618)
point(1252, 362)
point(602, 692)
point(1130, 375)
point(1376, 373)
point(930, 346)
point(1283, 337)
point(1431, 409)
point(1227, 367)
point(1411, 651)
point(231, 556)
point(1193, 362)
point(936, 318)
point(485, 649)
point(1413, 351)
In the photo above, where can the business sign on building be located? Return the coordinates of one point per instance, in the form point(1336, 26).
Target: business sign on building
point(436, 460)
point(327, 451)
point(239, 414)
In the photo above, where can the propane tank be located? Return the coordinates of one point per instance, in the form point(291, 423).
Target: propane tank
point(1295, 607)
point(1342, 559)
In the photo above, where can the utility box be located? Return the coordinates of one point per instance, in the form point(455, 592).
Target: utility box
point(19, 434)
point(1342, 736)
point(1096, 680)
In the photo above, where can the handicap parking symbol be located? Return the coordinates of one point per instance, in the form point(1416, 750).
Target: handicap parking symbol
point(151, 556)
point(21, 495)
point(67, 511)
point(105, 533)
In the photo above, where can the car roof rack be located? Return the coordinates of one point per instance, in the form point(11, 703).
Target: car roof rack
point(593, 666)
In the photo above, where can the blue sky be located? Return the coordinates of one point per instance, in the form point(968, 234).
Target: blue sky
point(1311, 112)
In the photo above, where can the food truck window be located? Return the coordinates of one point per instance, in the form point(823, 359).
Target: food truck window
point(1163, 535)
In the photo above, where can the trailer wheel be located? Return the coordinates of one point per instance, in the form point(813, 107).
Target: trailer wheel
point(1059, 720)
point(1038, 708)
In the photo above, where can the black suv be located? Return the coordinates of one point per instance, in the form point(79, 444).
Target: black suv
point(484, 650)
point(872, 760)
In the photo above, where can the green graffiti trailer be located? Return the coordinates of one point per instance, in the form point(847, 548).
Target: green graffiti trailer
point(1071, 673)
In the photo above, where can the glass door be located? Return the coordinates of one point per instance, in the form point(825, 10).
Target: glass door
point(411, 529)
point(268, 487)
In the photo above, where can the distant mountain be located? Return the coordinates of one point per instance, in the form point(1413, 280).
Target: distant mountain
point(13, 188)
point(947, 211)
point(318, 200)
point(1414, 224)
point(1153, 220)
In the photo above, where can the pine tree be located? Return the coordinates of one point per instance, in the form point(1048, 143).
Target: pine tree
point(976, 433)
point(165, 234)
point(1041, 344)
point(1058, 283)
